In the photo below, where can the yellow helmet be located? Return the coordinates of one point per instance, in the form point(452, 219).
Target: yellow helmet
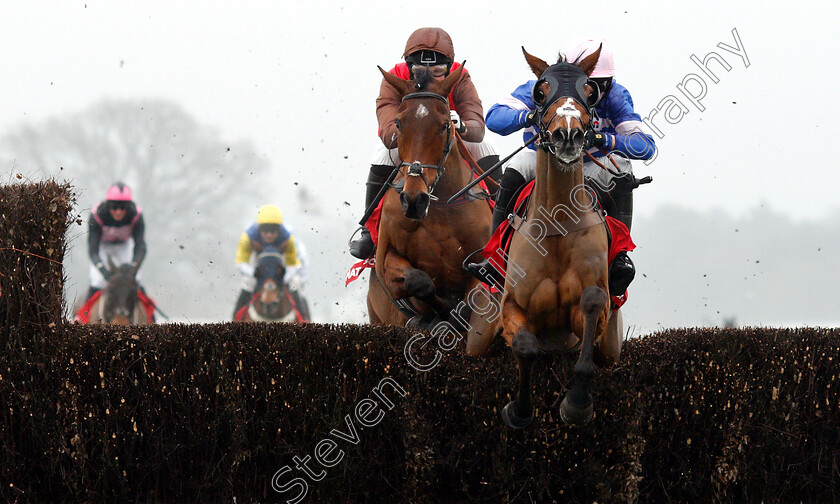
point(269, 214)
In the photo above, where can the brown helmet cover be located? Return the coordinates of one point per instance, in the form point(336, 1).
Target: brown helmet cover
point(431, 39)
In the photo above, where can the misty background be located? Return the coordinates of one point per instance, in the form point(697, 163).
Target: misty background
point(208, 110)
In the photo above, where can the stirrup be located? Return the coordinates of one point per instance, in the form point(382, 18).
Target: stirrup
point(355, 232)
point(485, 272)
point(362, 247)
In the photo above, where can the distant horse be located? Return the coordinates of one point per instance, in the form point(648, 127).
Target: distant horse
point(119, 302)
point(562, 302)
point(422, 239)
point(273, 302)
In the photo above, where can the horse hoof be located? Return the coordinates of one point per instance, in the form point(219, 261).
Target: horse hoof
point(422, 323)
point(573, 415)
point(513, 420)
point(415, 322)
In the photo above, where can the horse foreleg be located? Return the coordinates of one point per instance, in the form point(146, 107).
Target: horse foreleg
point(576, 408)
point(402, 280)
point(519, 413)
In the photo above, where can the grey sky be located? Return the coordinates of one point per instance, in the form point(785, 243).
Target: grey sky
point(299, 80)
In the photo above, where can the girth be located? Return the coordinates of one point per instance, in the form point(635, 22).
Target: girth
point(563, 228)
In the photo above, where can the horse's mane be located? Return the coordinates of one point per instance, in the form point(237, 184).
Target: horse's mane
point(422, 81)
point(561, 58)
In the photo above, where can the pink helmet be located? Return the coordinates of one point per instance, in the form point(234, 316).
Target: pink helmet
point(605, 66)
point(118, 192)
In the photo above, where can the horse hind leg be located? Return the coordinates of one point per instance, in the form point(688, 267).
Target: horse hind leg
point(519, 413)
point(576, 408)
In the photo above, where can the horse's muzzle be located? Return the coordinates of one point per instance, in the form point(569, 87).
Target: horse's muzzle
point(416, 207)
point(568, 144)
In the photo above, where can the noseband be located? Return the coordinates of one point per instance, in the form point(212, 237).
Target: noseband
point(416, 168)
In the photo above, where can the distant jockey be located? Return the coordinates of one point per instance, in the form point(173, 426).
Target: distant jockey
point(115, 236)
point(619, 129)
point(267, 230)
point(428, 50)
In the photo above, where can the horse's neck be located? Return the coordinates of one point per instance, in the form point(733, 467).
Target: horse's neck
point(555, 184)
point(455, 177)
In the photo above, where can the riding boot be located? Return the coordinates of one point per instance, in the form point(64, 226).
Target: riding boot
point(511, 181)
point(362, 247)
point(244, 297)
point(487, 162)
point(624, 207)
point(621, 273)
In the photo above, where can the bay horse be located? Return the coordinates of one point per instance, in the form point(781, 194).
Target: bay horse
point(272, 301)
point(119, 302)
point(562, 300)
point(423, 239)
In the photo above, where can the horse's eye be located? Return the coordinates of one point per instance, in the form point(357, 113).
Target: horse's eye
point(539, 96)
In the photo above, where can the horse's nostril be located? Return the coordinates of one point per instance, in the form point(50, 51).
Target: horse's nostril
point(423, 199)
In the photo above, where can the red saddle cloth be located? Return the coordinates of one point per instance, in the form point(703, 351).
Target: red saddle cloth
point(240, 313)
point(83, 315)
point(497, 248)
point(372, 226)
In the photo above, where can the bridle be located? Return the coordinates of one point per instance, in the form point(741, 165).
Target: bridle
point(416, 168)
point(566, 81)
point(115, 311)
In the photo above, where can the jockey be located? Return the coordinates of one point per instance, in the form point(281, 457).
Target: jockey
point(267, 230)
point(115, 235)
point(619, 129)
point(428, 50)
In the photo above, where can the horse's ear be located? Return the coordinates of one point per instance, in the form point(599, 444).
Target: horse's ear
point(403, 86)
point(589, 62)
point(537, 65)
point(452, 79)
point(111, 266)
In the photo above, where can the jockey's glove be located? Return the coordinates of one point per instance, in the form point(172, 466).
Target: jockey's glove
point(603, 140)
point(102, 269)
point(528, 118)
point(460, 126)
point(292, 278)
point(294, 283)
point(245, 269)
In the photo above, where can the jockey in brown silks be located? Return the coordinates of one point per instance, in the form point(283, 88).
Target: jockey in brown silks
point(432, 50)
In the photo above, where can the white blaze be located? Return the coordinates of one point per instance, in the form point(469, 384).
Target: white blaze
point(568, 110)
point(422, 111)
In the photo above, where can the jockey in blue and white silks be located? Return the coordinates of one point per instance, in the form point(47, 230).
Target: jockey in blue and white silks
point(623, 135)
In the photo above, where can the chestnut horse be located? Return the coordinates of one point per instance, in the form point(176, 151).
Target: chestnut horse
point(119, 302)
point(272, 301)
point(423, 239)
point(561, 301)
